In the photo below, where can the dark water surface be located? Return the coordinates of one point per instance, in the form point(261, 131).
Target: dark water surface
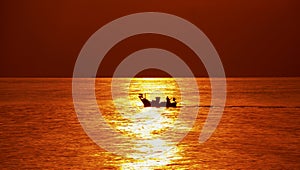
point(260, 127)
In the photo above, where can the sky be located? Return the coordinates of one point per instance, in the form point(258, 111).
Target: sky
point(252, 38)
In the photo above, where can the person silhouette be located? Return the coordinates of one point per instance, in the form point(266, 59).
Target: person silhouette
point(173, 104)
point(145, 101)
point(168, 101)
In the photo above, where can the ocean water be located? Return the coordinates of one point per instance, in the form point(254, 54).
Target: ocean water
point(259, 129)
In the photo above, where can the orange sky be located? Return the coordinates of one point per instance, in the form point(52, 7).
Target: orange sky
point(253, 38)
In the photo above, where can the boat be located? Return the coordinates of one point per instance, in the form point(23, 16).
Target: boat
point(157, 103)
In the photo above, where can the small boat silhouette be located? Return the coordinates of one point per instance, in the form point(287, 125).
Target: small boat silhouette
point(156, 102)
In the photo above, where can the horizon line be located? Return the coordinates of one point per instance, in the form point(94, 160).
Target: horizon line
point(151, 77)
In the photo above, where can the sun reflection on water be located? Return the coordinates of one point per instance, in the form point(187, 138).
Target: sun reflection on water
point(147, 125)
point(154, 161)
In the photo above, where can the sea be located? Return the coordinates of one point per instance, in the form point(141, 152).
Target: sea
point(42, 128)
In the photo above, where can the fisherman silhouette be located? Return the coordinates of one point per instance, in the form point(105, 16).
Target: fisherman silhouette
point(145, 101)
point(168, 101)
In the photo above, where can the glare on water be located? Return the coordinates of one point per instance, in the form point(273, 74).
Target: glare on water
point(259, 128)
point(145, 124)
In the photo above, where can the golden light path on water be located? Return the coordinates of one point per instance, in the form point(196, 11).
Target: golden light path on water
point(259, 128)
point(147, 125)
